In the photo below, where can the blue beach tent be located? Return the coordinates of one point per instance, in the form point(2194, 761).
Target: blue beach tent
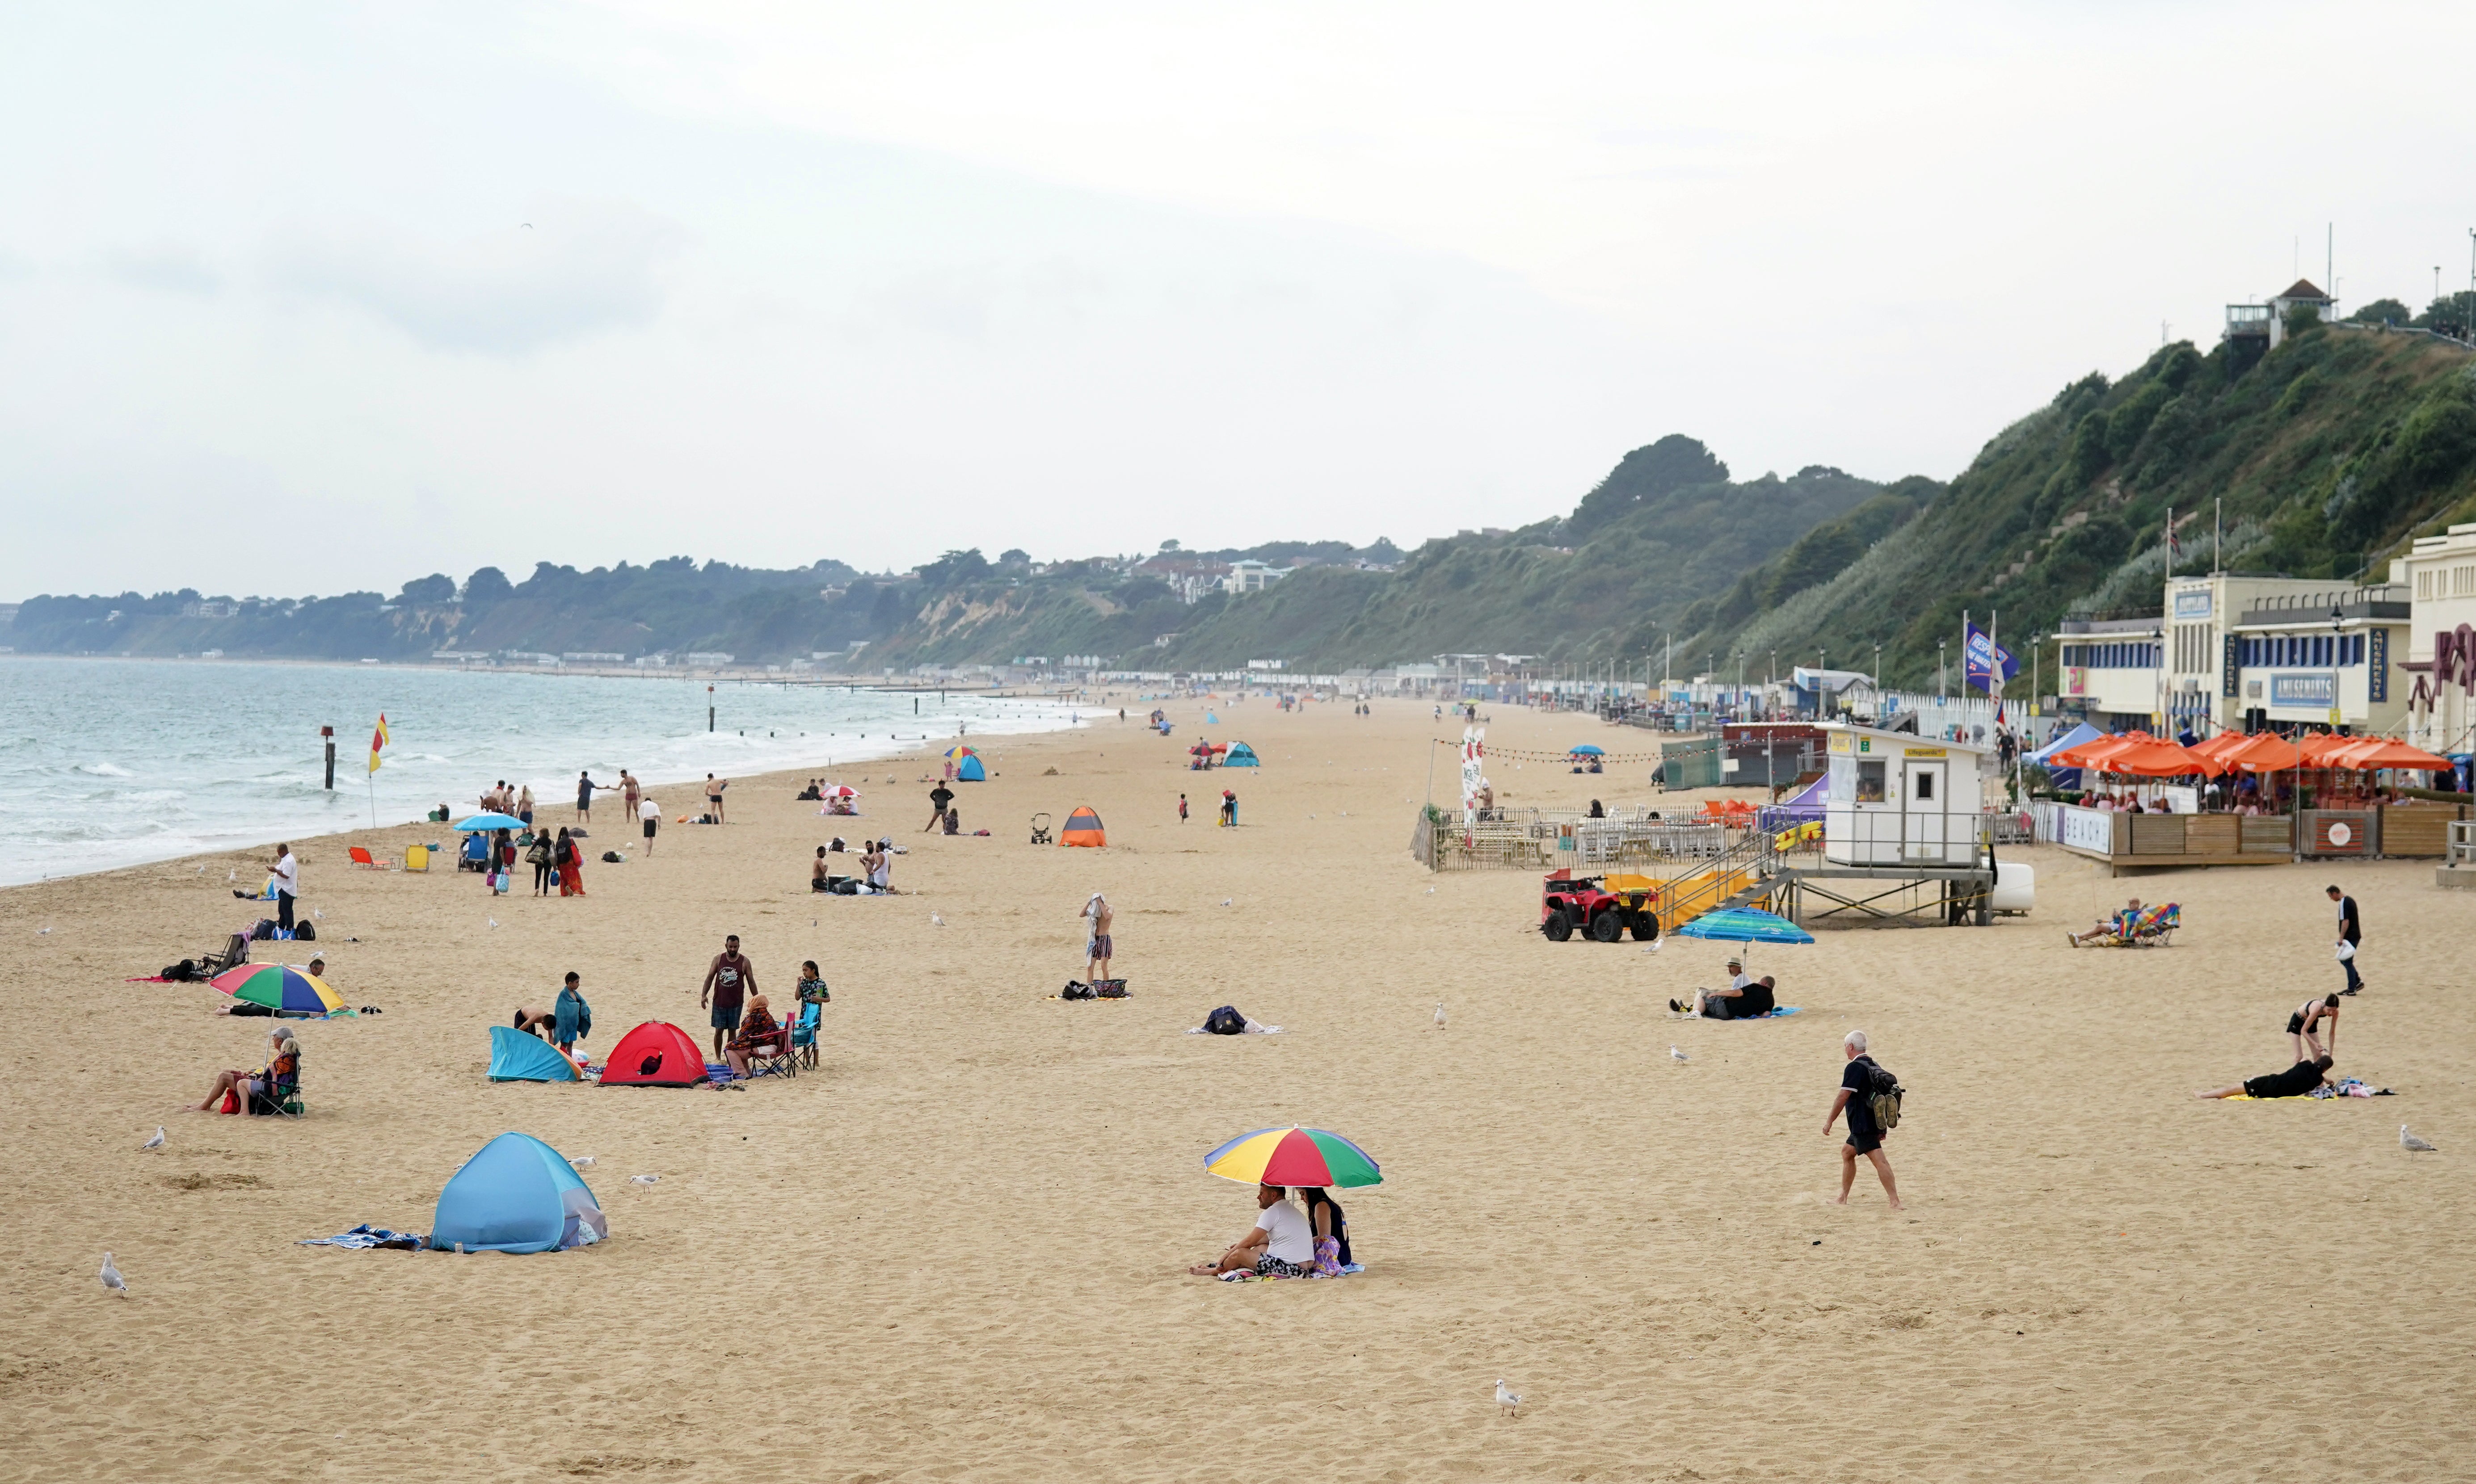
point(970, 771)
point(518, 1057)
point(1241, 756)
point(517, 1194)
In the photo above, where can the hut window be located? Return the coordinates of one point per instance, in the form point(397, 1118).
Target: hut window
point(1869, 782)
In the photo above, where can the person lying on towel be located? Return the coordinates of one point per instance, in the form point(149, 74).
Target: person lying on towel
point(1745, 1000)
point(2294, 1082)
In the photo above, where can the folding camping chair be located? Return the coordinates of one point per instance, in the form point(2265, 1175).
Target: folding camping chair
point(416, 858)
point(361, 857)
point(803, 1033)
point(2155, 925)
point(231, 955)
point(281, 1099)
point(773, 1057)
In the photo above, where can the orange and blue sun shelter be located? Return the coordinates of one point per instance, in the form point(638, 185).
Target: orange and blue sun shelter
point(1083, 827)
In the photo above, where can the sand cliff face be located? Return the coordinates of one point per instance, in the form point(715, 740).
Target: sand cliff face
point(957, 1249)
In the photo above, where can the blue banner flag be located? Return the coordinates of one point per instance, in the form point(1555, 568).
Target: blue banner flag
point(1979, 657)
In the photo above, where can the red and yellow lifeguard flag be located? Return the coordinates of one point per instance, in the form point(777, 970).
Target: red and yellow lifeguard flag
point(377, 739)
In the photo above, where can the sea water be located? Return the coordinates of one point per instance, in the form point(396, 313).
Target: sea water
point(111, 762)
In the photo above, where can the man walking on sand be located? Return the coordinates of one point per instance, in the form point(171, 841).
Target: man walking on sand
point(651, 815)
point(1864, 1136)
point(938, 798)
point(729, 980)
point(1097, 952)
point(2351, 931)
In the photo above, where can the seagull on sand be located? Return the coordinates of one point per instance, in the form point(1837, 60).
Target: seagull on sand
point(1511, 1402)
point(642, 1179)
point(494, 922)
point(1440, 1015)
point(112, 1279)
point(584, 1163)
point(155, 1143)
point(1673, 1054)
point(2414, 1145)
point(934, 918)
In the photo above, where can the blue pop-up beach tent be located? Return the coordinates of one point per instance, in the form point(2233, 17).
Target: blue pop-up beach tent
point(970, 771)
point(517, 1194)
point(1241, 756)
point(2063, 778)
point(518, 1057)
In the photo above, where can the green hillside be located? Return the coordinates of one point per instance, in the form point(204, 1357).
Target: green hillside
point(2329, 454)
point(1666, 528)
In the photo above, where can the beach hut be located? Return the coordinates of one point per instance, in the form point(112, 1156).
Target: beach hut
point(1241, 756)
point(516, 1194)
point(1083, 827)
point(654, 1054)
point(518, 1058)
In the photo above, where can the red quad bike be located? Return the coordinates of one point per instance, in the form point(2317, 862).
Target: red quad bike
point(1570, 902)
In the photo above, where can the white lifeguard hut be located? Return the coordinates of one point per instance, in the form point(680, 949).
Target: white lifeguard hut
point(1894, 798)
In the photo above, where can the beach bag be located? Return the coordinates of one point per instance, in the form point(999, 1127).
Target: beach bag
point(612, 858)
point(539, 855)
point(1077, 989)
point(1225, 1022)
point(499, 882)
point(184, 972)
point(1883, 1096)
point(307, 933)
point(1111, 989)
point(2346, 950)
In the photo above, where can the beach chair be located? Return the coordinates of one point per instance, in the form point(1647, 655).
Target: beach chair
point(231, 955)
point(2156, 926)
point(775, 1055)
point(283, 1100)
point(476, 854)
point(803, 1033)
point(361, 857)
point(416, 858)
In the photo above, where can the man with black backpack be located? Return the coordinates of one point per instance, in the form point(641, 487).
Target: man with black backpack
point(1871, 1098)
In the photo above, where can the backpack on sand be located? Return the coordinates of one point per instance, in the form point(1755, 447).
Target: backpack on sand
point(1883, 1096)
point(1077, 989)
point(1225, 1022)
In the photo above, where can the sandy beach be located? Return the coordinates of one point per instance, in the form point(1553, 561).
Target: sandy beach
point(958, 1249)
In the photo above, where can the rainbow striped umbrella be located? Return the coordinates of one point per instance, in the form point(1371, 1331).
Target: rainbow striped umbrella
point(1293, 1156)
point(285, 990)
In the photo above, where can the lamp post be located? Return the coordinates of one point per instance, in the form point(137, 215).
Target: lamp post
point(1943, 686)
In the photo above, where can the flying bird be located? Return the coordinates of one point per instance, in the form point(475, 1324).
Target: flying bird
point(2414, 1145)
point(155, 1143)
point(528, 225)
point(112, 1279)
point(1510, 1401)
point(1673, 1054)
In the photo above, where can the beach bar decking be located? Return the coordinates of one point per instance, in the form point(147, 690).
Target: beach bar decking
point(2127, 841)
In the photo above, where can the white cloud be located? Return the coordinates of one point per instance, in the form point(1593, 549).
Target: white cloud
point(569, 270)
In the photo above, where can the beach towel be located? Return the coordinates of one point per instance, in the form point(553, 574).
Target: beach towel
point(1253, 1028)
point(367, 1235)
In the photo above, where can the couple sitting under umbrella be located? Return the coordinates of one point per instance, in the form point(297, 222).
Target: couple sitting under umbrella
point(1286, 1242)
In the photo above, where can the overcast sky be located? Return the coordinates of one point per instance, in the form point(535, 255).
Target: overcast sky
point(303, 298)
